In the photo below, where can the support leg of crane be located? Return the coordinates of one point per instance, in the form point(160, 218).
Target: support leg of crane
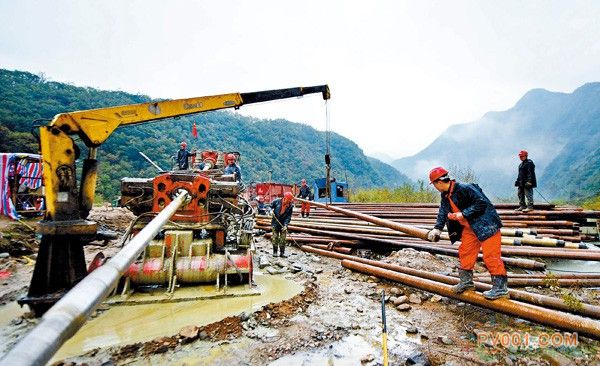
point(60, 265)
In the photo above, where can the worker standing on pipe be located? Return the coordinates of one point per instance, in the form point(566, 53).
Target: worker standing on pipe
point(305, 193)
point(282, 209)
point(472, 218)
point(525, 182)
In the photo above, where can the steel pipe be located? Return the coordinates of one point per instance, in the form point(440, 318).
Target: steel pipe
point(63, 319)
point(537, 314)
point(543, 300)
point(411, 230)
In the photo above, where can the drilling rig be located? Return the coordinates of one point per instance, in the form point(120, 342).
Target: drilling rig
point(208, 236)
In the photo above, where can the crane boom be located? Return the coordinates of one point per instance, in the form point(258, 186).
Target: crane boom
point(60, 262)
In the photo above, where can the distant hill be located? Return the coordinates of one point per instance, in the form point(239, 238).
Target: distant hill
point(561, 131)
point(292, 151)
point(390, 175)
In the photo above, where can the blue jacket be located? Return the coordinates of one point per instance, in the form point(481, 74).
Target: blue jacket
point(280, 219)
point(233, 169)
point(182, 159)
point(305, 193)
point(475, 207)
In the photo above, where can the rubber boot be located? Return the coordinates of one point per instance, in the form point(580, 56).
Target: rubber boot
point(282, 252)
point(528, 209)
point(275, 251)
point(499, 288)
point(520, 208)
point(466, 282)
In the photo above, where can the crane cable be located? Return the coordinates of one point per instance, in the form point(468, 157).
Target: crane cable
point(327, 152)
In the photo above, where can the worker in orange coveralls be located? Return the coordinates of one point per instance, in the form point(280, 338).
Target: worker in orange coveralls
point(305, 194)
point(472, 218)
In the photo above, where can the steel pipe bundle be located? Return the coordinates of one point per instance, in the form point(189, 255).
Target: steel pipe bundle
point(542, 300)
point(537, 314)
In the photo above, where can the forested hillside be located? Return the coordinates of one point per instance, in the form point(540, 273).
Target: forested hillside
point(561, 131)
point(291, 151)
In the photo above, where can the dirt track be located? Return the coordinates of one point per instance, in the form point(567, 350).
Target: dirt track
point(335, 320)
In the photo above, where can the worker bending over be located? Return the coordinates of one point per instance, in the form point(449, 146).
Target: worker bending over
point(473, 220)
point(231, 167)
point(282, 214)
point(306, 194)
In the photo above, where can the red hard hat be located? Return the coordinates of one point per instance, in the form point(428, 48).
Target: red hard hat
point(437, 173)
point(183, 143)
point(288, 196)
point(523, 153)
point(230, 157)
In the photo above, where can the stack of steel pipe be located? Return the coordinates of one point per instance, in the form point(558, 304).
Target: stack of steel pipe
point(357, 229)
point(562, 223)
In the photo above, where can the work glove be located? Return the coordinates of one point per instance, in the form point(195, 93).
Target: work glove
point(434, 235)
point(528, 184)
point(284, 228)
point(455, 216)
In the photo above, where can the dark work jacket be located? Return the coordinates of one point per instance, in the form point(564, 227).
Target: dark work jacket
point(305, 192)
point(233, 169)
point(281, 219)
point(182, 159)
point(475, 207)
point(526, 174)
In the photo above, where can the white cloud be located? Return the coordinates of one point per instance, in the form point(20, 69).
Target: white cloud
point(400, 71)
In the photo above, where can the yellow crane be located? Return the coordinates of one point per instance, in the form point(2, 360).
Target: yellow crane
point(60, 263)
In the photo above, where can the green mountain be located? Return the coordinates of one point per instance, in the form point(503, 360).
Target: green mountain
point(561, 131)
point(292, 151)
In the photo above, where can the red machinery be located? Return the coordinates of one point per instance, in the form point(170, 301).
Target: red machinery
point(269, 190)
point(208, 240)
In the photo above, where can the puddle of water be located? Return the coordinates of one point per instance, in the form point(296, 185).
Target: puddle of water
point(139, 323)
point(348, 351)
point(567, 265)
point(10, 311)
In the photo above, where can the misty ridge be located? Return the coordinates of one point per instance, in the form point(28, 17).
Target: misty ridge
point(561, 131)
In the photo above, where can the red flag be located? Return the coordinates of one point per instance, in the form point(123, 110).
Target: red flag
point(194, 131)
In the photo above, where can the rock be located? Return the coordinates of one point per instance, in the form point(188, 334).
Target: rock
point(411, 329)
point(189, 333)
point(403, 307)
point(418, 358)
point(392, 299)
point(366, 359)
point(446, 340)
point(556, 359)
point(395, 291)
point(4, 255)
point(203, 335)
point(436, 298)
point(263, 262)
point(400, 300)
point(348, 290)
point(244, 316)
point(373, 279)
point(360, 310)
point(295, 268)
point(415, 298)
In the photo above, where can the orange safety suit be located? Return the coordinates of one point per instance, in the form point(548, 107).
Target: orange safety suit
point(469, 247)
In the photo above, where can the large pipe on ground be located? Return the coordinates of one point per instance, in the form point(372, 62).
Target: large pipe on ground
point(411, 230)
point(63, 319)
point(552, 318)
point(516, 262)
point(543, 300)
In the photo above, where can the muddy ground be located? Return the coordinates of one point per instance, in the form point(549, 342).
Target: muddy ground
point(336, 320)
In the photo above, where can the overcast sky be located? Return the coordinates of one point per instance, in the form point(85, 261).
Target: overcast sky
point(400, 72)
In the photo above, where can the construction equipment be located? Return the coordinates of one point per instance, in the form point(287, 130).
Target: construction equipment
point(60, 263)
